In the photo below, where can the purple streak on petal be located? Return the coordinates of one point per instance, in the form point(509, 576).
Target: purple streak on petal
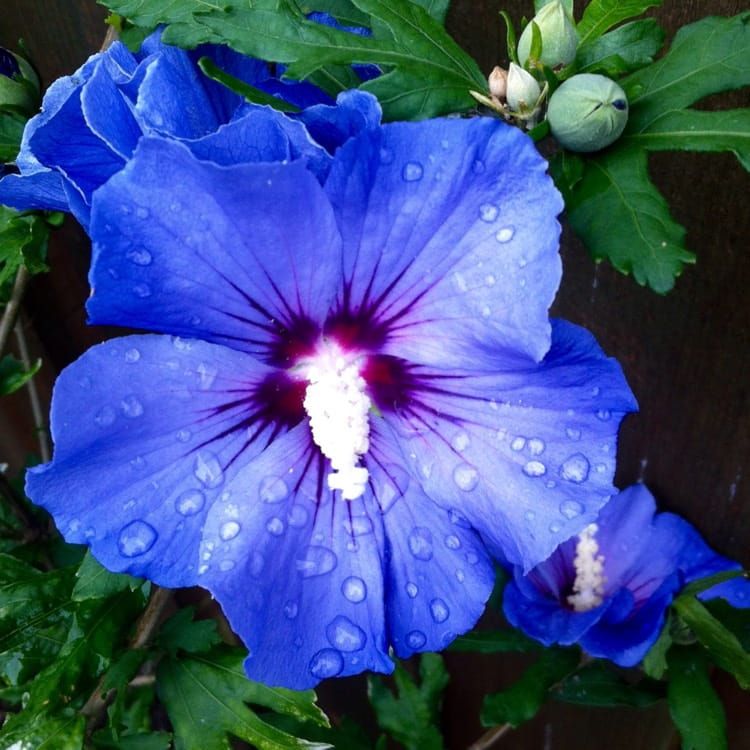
point(450, 239)
point(149, 433)
point(192, 248)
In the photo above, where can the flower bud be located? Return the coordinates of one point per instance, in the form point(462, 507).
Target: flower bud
point(19, 84)
point(498, 82)
point(587, 112)
point(559, 36)
point(522, 91)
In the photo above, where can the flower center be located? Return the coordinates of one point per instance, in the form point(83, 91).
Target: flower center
point(588, 586)
point(338, 408)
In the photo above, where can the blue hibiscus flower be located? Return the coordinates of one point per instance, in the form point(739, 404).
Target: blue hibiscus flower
point(609, 588)
point(362, 400)
point(92, 121)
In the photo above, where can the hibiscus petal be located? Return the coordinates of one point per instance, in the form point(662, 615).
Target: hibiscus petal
point(526, 454)
point(149, 433)
point(192, 248)
point(298, 572)
point(450, 239)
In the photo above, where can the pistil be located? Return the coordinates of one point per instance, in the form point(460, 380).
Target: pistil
point(588, 587)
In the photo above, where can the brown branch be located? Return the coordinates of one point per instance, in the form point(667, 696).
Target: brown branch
point(10, 313)
point(489, 738)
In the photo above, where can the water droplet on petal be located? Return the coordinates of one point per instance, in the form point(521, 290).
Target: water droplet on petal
point(535, 469)
point(460, 576)
point(345, 635)
point(358, 526)
point(136, 539)
point(190, 502)
point(132, 355)
point(420, 543)
point(297, 516)
point(458, 519)
point(472, 558)
point(386, 156)
point(257, 563)
point(131, 407)
point(439, 610)
point(460, 442)
point(326, 663)
point(518, 444)
point(529, 515)
point(354, 589)
point(488, 212)
point(206, 375)
point(207, 470)
point(575, 468)
point(291, 610)
point(536, 446)
point(142, 212)
point(105, 416)
point(466, 477)
point(275, 526)
point(139, 256)
point(573, 433)
point(505, 234)
point(490, 280)
point(452, 541)
point(316, 561)
point(226, 565)
point(554, 528)
point(412, 171)
point(229, 530)
point(142, 290)
point(416, 639)
point(571, 509)
point(412, 590)
point(183, 436)
point(273, 490)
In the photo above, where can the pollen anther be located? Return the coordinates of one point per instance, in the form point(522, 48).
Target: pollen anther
point(588, 587)
point(338, 407)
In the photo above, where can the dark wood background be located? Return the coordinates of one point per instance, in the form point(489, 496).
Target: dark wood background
point(687, 357)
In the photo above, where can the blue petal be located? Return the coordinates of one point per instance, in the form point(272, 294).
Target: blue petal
point(450, 237)
point(43, 190)
point(298, 572)
point(192, 248)
point(438, 572)
point(526, 454)
point(147, 431)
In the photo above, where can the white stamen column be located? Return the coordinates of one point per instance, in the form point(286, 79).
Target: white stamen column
point(588, 587)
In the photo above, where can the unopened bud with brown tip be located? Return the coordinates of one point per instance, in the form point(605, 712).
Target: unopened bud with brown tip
point(498, 81)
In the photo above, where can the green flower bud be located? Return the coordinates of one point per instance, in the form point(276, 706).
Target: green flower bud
point(19, 84)
point(559, 36)
point(587, 112)
point(522, 90)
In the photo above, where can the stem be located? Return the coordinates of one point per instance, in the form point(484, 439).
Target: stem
point(36, 404)
point(13, 307)
point(489, 738)
point(145, 629)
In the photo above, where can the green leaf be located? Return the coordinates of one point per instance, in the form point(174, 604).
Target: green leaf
point(96, 582)
point(44, 732)
point(693, 130)
point(706, 57)
point(495, 642)
point(181, 632)
point(150, 13)
point(343, 11)
point(735, 620)
point(598, 684)
point(693, 704)
point(601, 15)
point(438, 9)
point(700, 585)
point(655, 661)
point(522, 701)
point(623, 50)
point(105, 740)
point(726, 650)
point(14, 375)
point(566, 169)
point(11, 131)
point(207, 696)
point(412, 714)
point(23, 242)
point(622, 217)
point(510, 37)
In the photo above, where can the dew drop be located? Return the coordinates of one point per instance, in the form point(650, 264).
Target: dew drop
point(571, 509)
point(257, 563)
point(575, 468)
point(132, 355)
point(297, 516)
point(458, 519)
point(604, 415)
point(412, 171)
point(326, 663)
point(358, 525)
point(460, 442)
point(137, 463)
point(226, 565)
point(386, 156)
point(131, 407)
point(472, 558)
point(354, 589)
point(207, 470)
point(488, 212)
point(316, 561)
point(416, 639)
point(345, 635)
point(536, 446)
point(137, 538)
point(554, 528)
point(535, 469)
point(142, 290)
point(183, 436)
point(85, 382)
point(139, 256)
point(142, 212)
point(105, 416)
point(412, 590)
point(452, 541)
point(573, 433)
point(190, 502)
point(229, 530)
point(273, 490)
point(529, 515)
point(518, 444)
point(420, 543)
point(486, 311)
point(206, 375)
point(490, 280)
point(550, 483)
point(439, 610)
point(466, 477)
point(460, 576)
point(275, 526)
point(505, 234)
point(291, 610)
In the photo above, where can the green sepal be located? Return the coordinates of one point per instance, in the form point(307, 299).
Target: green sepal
point(14, 375)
